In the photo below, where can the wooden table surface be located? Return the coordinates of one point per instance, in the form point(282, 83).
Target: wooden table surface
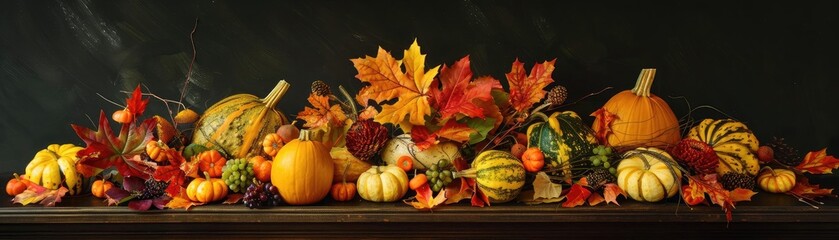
point(768, 215)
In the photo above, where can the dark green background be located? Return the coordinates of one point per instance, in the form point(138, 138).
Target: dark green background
point(772, 65)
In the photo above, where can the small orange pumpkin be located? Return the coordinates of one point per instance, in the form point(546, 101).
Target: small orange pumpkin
point(205, 190)
point(343, 191)
point(16, 185)
point(533, 159)
point(100, 187)
point(261, 168)
point(123, 116)
point(637, 118)
point(212, 162)
point(272, 144)
point(157, 151)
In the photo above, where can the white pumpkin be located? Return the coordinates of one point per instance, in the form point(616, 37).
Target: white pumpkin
point(383, 184)
point(403, 146)
point(649, 175)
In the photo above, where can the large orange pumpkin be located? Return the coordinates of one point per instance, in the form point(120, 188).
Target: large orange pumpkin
point(237, 124)
point(637, 118)
point(303, 170)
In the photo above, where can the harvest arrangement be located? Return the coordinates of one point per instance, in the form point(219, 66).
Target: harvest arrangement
point(427, 136)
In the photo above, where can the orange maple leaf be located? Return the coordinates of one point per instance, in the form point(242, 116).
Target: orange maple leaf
point(322, 114)
point(180, 202)
point(803, 188)
point(818, 162)
point(388, 81)
point(611, 192)
point(527, 90)
point(425, 198)
point(603, 123)
point(595, 199)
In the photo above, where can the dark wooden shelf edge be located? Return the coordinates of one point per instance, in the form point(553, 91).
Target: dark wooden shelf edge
point(335, 214)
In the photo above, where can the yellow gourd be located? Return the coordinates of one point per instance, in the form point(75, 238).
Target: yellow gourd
point(50, 165)
point(776, 180)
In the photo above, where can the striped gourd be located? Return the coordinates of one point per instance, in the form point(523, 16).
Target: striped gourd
point(498, 174)
point(562, 137)
point(733, 142)
point(236, 124)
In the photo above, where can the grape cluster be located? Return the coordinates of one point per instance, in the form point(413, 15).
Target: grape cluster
point(602, 158)
point(439, 175)
point(153, 189)
point(237, 174)
point(260, 195)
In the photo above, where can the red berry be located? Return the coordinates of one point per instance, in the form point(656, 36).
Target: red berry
point(765, 154)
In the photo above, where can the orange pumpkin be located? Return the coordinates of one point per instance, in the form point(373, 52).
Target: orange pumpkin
point(637, 118)
point(533, 159)
point(100, 187)
point(261, 168)
point(343, 191)
point(212, 162)
point(157, 151)
point(303, 170)
point(205, 190)
point(272, 144)
point(123, 116)
point(16, 185)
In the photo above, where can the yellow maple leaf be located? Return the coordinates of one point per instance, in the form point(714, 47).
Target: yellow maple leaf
point(388, 81)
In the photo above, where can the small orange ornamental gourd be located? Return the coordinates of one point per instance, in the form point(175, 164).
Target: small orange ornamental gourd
point(100, 187)
point(157, 151)
point(211, 162)
point(637, 118)
point(123, 116)
point(205, 190)
point(303, 170)
point(261, 168)
point(272, 144)
point(776, 180)
point(16, 185)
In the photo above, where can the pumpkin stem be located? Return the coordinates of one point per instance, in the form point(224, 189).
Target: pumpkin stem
point(644, 82)
point(305, 135)
point(207, 175)
point(276, 94)
point(16, 176)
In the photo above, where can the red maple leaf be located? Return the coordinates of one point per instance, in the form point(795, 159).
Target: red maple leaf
point(35, 193)
point(457, 192)
point(527, 90)
point(603, 123)
point(452, 130)
point(136, 104)
point(611, 192)
point(576, 196)
point(459, 94)
point(818, 162)
point(172, 173)
point(422, 137)
point(105, 149)
point(693, 193)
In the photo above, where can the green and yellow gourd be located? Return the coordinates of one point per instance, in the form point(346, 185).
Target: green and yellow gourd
point(562, 137)
point(733, 142)
point(499, 174)
point(235, 125)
